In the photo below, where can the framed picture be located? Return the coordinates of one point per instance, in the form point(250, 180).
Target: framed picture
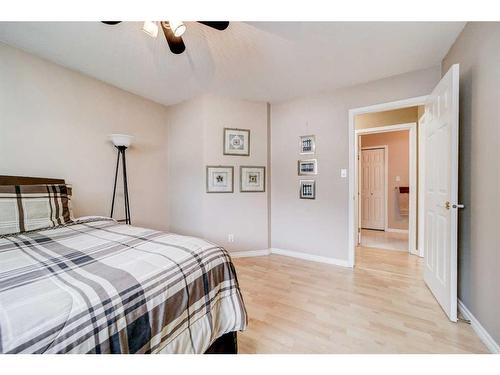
point(236, 142)
point(307, 167)
point(220, 179)
point(307, 144)
point(307, 189)
point(252, 179)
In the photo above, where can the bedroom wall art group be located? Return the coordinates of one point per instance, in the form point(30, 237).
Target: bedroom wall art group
point(220, 178)
point(236, 142)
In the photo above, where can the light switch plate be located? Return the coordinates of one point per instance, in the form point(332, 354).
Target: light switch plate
point(343, 173)
point(398, 178)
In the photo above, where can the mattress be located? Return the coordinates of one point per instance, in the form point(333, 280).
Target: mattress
point(96, 286)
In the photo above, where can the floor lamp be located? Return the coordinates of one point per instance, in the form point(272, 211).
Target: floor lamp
point(121, 142)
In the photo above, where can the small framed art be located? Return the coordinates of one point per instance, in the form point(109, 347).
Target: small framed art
point(220, 179)
point(307, 189)
point(236, 142)
point(307, 144)
point(307, 167)
point(252, 179)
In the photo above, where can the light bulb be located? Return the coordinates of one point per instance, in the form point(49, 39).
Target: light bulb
point(150, 28)
point(177, 27)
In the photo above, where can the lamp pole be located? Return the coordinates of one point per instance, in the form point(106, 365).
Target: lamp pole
point(121, 152)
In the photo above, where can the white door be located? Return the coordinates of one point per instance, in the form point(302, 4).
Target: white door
point(441, 191)
point(373, 189)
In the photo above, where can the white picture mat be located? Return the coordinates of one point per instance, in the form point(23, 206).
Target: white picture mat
point(247, 184)
point(223, 186)
point(301, 144)
point(230, 135)
point(307, 182)
point(314, 170)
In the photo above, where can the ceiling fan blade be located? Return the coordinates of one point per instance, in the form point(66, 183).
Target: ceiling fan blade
point(111, 22)
point(218, 25)
point(175, 43)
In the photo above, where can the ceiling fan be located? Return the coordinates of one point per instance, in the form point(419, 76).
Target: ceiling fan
point(173, 30)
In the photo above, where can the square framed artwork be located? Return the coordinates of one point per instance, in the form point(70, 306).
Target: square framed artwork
point(252, 179)
point(307, 189)
point(236, 142)
point(307, 167)
point(220, 179)
point(307, 144)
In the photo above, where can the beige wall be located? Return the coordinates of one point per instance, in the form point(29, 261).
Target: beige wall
point(477, 50)
point(320, 227)
point(398, 164)
point(195, 141)
point(54, 122)
point(397, 116)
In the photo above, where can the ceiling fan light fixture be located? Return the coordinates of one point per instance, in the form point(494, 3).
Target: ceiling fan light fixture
point(177, 27)
point(150, 28)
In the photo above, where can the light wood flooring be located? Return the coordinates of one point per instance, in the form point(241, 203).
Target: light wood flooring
point(384, 240)
point(382, 306)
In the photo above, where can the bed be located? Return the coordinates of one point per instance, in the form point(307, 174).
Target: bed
point(93, 285)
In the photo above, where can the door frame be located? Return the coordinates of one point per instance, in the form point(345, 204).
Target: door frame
point(353, 198)
point(411, 127)
point(386, 183)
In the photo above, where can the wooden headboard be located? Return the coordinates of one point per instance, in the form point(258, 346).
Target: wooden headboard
point(21, 180)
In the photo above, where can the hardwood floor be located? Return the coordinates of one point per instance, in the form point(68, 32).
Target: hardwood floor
point(382, 306)
point(384, 240)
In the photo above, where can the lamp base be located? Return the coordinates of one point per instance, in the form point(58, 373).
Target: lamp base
point(121, 152)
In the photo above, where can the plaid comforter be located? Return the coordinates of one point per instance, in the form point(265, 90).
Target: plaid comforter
point(96, 286)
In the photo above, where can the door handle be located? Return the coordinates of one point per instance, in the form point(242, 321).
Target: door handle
point(448, 205)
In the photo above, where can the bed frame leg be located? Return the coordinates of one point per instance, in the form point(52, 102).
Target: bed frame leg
point(226, 344)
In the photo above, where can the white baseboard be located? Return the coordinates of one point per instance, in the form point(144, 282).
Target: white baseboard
point(313, 258)
point(250, 253)
point(290, 253)
point(485, 337)
point(394, 230)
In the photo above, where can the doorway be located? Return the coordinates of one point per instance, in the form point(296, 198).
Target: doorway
point(370, 127)
point(387, 184)
point(438, 175)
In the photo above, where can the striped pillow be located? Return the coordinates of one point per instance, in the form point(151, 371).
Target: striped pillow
point(31, 207)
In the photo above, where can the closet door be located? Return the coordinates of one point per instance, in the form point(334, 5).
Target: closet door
point(373, 189)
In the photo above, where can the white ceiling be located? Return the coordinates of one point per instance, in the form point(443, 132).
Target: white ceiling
point(264, 61)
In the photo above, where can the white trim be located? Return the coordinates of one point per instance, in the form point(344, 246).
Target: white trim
point(311, 257)
point(485, 337)
point(386, 182)
point(352, 217)
point(385, 129)
point(250, 253)
point(398, 104)
point(412, 206)
point(290, 253)
point(396, 230)
point(421, 185)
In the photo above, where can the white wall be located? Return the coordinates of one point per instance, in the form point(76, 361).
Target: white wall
point(186, 154)
point(320, 227)
point(54, 122)
point(195, 141)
